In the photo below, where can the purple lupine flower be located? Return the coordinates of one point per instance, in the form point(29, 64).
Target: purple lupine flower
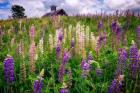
point(138, 31)
point(83, 62)
point(61, 72)
point(38, 86)
point(122, 57)
point(90, 56)
point(72, 43)
point(58, 49)
point(114, 26)
point(118, 34)
point(115, 87)
point(134, 66)
point(64, 90)
point(60, 36)
point(66, 57)
point(9, 69)
point(100, 25)
point(98, 72)
point(85, 65)
point(105, 38)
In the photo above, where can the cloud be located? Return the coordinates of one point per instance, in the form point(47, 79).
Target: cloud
point(4, 14)
point(122, 4)
point(33, 8)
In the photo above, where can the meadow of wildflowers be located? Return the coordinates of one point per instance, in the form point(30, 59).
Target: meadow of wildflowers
point(81, 54)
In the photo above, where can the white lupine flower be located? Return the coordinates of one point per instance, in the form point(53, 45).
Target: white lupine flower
point(41, 45)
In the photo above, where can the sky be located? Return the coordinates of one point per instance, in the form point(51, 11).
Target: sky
point(37, 8)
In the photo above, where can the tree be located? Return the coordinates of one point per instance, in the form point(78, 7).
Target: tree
point(17, 11)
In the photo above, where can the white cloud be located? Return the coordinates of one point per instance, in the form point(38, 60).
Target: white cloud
point(2, 1)
point(4, 14)
point(122, 4)
point(72, 2)
point(33, 8)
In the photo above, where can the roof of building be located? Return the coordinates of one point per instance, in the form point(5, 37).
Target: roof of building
point(57, 12)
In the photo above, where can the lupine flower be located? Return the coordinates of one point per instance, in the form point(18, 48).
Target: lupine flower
point(90, 56)
point(85, 68)
point(114, 87)
point(100, 42)
point(118, 34)
point(61, 72)
point(9, 69)
point(60, 36)
point(72, 43)
point(32, 31)
point(58, 50)
point(98, 72)
point(117, 85)
point(23, 71)
point(66, 57)
point(121, 61)
point(64, 88)
point(134, 66)
point(41, 45)
point(100, 25)
point(114, 26)
point(38, 86)
point(32, 57)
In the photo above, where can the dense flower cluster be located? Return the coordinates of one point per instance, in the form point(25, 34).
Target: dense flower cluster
point(38, 86)
point(138, 31)
point(9, 69)
point(58, 50)
point(32, 54)
point(117, 85)
point(86, 67)
point(122, 57)
point(65, 59)
point(134, 66)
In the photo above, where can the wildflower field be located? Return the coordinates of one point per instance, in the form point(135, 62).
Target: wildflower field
point(81, 54)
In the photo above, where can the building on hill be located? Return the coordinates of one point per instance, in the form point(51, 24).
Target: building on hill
point(55, 12)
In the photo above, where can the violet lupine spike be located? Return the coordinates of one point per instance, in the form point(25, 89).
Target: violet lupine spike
point(85, 65)
point(134, 66)
point(138, 32)
point(115, 87)
point(114, 26)
point(38, 86)
point(61, 72)
point(100, 25)
point(58, 50)
point(9, 69)
point(60, 36)
point(64, 90)
point(122, 57)
point(90, 56)
point(66, 57)
point(98, 72)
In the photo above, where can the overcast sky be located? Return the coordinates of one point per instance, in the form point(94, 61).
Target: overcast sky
point(37, 8)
